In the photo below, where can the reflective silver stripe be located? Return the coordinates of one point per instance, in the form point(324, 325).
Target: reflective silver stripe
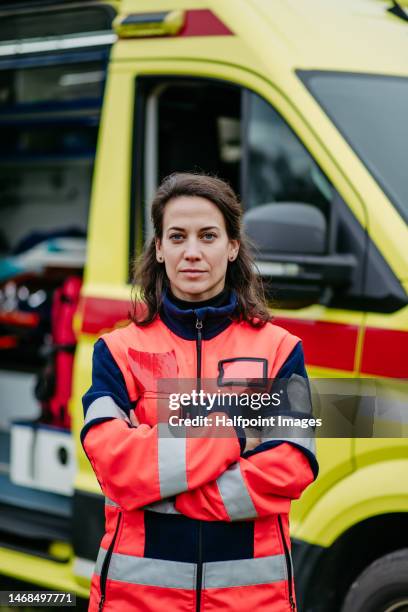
point(152, 572)
point(99, 561)
point(104, 407)
point(171, 461)
point(235, 495)
point(165, 506)
point(110, 502)
point(179, 575)
point(307, 443)
point(244, 572)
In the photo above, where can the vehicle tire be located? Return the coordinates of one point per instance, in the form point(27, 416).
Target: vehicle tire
point(382, 587)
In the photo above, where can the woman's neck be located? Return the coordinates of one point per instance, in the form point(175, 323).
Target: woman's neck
point(220, 299)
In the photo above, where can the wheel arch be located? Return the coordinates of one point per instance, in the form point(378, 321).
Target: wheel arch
point(324, 575)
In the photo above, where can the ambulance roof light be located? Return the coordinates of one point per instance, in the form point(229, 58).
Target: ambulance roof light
point(165, 23)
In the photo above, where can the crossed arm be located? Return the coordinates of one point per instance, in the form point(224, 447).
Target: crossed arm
point(137, 465)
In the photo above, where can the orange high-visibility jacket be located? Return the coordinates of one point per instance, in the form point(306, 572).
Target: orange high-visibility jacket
point(192, 525)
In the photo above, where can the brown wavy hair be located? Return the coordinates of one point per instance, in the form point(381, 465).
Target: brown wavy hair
point(150, 276)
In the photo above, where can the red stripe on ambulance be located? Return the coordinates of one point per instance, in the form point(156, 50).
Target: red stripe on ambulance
point(101, 314)
point(326, 344)
point(385, 353)
point(202, 22)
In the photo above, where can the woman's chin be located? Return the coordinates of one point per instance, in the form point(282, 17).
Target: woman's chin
point(194, 291)
point(192, 286)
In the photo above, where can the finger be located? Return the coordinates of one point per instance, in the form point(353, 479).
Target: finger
point(133, 419)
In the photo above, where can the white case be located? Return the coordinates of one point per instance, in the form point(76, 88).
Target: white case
point(42, 457)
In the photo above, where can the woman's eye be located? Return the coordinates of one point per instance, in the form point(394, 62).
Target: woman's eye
point(176, 237)
point(208, 236)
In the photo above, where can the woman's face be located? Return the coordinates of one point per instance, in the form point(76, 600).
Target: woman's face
point(195, 248)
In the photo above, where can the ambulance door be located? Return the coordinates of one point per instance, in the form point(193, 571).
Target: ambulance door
point(379, 145)
point(198, 116)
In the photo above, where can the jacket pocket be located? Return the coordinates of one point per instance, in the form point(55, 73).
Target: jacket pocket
point(289, 567)
point(106, 563)
point(149, 368)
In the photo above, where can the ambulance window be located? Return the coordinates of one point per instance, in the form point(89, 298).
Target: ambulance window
point(207, 125)
point(279, 168)
point(196, 126)
point(189, 125)
point(29, 88)
point(49, 117)
point(41, 23)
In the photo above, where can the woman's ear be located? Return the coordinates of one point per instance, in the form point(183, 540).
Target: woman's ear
point(233, 249)
point(159, 253)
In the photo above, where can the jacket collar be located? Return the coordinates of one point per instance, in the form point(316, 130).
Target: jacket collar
point(182, 321)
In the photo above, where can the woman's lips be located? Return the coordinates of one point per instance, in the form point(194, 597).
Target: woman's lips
point(193, 273)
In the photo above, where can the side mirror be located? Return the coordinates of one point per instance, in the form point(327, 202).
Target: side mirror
point(291, 248)
point(287, 228)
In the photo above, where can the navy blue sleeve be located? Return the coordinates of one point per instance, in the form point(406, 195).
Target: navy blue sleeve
point(294, 366)
point(107, 381)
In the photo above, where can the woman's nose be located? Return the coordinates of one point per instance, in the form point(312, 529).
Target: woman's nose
point(192, 250)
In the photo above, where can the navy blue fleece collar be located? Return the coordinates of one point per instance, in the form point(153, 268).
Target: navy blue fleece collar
point(183, 322)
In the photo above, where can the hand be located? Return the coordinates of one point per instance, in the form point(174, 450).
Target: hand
point(133, 419)
point(251, 441)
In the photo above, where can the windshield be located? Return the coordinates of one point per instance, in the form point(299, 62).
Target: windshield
point(371, 111)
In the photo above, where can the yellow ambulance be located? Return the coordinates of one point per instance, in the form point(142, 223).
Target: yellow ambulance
point(302, 107)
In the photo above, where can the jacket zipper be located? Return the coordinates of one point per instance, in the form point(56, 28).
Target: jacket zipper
point(288, 565)
point(105, 565)
point(199, 327)
point(199, 567)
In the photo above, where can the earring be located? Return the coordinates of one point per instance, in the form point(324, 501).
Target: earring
point(232, 257)
point(160, 259)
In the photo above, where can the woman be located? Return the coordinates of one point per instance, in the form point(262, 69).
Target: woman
point(194, 522)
